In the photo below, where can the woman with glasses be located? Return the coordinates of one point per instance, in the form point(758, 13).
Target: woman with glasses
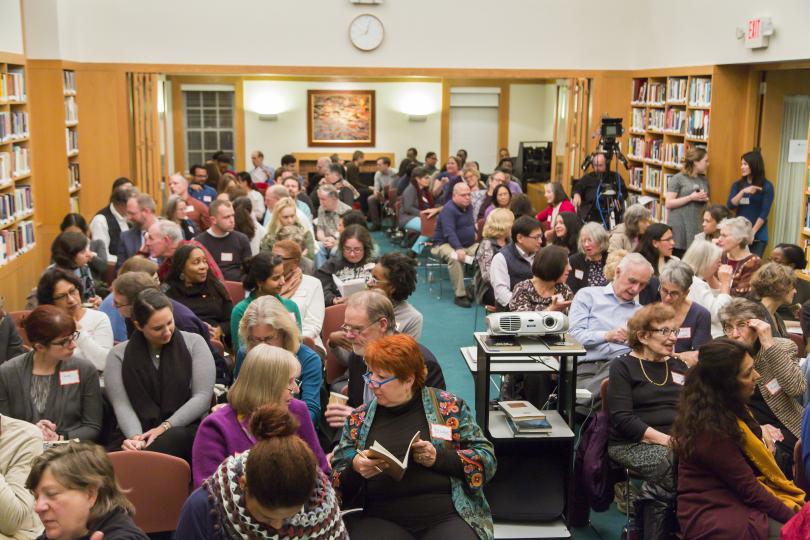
point(160, 382)
point(693, 321)
point(270, 376)
point(643, 392)
point(64, 290)
point(775, 401)
point(48, 386)
point(267, 321)
point(352, 262)
point(70, 251)
point(440, 494)
point(395, 276)
point(656, 246)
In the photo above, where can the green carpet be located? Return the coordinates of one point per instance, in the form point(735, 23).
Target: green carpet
point(448, 327)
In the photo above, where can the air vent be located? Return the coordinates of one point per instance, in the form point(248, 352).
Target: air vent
point(510, 323)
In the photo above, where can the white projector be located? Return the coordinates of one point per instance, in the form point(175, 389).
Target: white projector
point(527, 323)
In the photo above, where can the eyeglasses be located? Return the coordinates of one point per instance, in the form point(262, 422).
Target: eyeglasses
point(268, 340)
point(664, 332)
point(374, 385)
point(116, 305)
point(352, 250)
point(729, 328)
point(535, 236)
point(73, 291)
point(667, 292)
point(371, 281)
point(65, 341)
point(350, 329)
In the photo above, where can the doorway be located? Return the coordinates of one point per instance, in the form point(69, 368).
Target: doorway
point(474, 113)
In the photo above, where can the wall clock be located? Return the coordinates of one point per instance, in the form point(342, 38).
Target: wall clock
point(366, 32)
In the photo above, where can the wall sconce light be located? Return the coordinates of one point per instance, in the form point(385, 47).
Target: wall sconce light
point(417, 118)
point(268, 117)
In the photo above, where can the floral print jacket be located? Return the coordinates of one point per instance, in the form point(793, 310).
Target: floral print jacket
point(473, 449)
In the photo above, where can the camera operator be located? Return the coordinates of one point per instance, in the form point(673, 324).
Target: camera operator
point(587, 190)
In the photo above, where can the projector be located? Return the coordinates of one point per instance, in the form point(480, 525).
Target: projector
point(527, 323)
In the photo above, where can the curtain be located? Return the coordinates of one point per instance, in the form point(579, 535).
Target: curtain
point(790, 180)
point(145, 126)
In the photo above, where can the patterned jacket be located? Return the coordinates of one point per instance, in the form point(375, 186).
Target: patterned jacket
point(780, 362)
point(473, 449)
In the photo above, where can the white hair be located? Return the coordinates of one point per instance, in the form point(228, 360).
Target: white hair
point(740, 229)
point(701, 255)
point(634, 259)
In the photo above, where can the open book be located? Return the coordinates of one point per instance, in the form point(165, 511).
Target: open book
point(396, 468)
point(350, 286)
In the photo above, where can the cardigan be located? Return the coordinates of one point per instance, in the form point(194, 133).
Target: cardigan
point(20, 444)
point(741, 278)
point(468, 441)
point(221, 435)
point(780, 361)
point(75, 407)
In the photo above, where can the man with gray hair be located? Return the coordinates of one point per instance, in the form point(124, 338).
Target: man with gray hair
point(454, 239)
point(329, 211)
point(196, 211)
point(141, 216)
point(162, 240)
point(369, 316)
point(598, 318)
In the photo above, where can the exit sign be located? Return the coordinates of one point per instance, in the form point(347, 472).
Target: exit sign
point(757, 32)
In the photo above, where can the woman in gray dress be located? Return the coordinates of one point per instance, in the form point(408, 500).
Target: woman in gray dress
point(687, 194)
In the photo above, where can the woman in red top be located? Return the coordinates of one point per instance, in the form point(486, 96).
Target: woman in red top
point(558, 202)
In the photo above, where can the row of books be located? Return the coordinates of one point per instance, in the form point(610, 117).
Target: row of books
point(673, 153)
point(697, 124)
point(74, 204)
point(16, 240)
point(675, 120)
point(15, 205)
point(649, 93)
point(807, 215)
point(12, 86)
point(14, 163)
point(72, 138)
point(676, 90)
point(636, 177)
point(13, 125)
point(69, 82)
point(653, 182)
point(639, 120)
point(657, 119)
point(700, 92)
point(74, 178)
point(71, 110)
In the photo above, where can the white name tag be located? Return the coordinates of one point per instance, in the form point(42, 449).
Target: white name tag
point(206, 198)
point(227, 257)
point(678, 378)
point(685, 333)
point(441, 431)
point(773, 387)
point(69, 377)
point(579, 274)
point(745, 200)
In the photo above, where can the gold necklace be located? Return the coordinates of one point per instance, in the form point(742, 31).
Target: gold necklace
point(666, 374)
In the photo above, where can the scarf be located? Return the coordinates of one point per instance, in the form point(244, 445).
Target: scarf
point(156, 394)
point(319, 520)
point(770, 477)
point(291, 282)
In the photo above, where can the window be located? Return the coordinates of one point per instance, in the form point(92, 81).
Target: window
point(209, 123)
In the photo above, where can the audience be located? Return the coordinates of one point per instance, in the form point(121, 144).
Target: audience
point(302, 200)
point(713, 214)
point(566, 231)
point(20, 444)
point(109, 222)
point(306, 291)
point(77, 223)
point(445, 182)
point(711, 282)
point(196, 211)
point(329, 211)
point(48, 386)
point(501, 198)
point(454, 239)
point(793, 257)
point(774, 285)
point(752, 197)
point(692, 320)
point(420, 503)
point(273, 490)
point(546, 290)
point(175, 211)
point(729, 486)
point(228, 247)
point(417, 200)
point(557, 202)
point(246, 223)
point(77, 496)
point(118, 323)
point(395, 276)
point(656, 246)
point(353, 262)
point(496, 234)
point(686, 196)
point(162, 240)
point(384, 178)
point(94, 337)
point(70, 251)
point(734, 239)
point(513, 263)
point(588, 263)
point(472, 177)
point(141, 216)
point(284, 215)
point(261, 174)
point(270, 376)
point(627, 235)
point(198, 187)
point(644, 390)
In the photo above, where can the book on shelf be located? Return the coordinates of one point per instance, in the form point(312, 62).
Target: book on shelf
point(700, 92)
point(653, 182)
point(5, 168)
point(639, 91)
point(638, 121)
point(14, 83)
point(667, 178)
point(652, 150)
point(20, 164)
point(636, 147)
point(636, 178)
point(16, 240)
point(674, 153)
point(675, 120)
point(74, 177)
point(657, 94)
point(69, 81)
point(396, 468)
point(74, 204)
point(16, 205)
point(698, 124)
point(521, 410)
point(71, 110)
point(72, 138)
point(676, 90)
point(657, 120)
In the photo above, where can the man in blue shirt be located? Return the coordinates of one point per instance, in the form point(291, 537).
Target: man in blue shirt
point(197, 188)
point(454, 238)
point(598, 319)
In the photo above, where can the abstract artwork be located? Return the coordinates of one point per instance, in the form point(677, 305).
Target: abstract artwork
point(340, 118)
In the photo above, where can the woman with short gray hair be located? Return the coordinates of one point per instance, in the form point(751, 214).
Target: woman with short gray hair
point(588, 263)
point(711, 282)
point(627, 235)
point(693, 321)
point(735, 237)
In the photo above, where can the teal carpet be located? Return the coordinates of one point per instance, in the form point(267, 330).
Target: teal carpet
point(448, 327)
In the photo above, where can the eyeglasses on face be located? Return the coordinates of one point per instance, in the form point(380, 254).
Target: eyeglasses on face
point(728, 328)
point(64, 342)
point(374, 385)
point(267, 340)
point(669, 292)
point(357, 250)
point(664, 332)
point(371, 281)
point(352, 329)
point(73, 291)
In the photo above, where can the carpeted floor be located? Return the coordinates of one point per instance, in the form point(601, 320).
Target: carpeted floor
point(448, 327)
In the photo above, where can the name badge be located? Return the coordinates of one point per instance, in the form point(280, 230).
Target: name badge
point(227, 257)
point(69, 377)
point(678, 378)
point(685, 333)
point(745, 200)
point(206, 198)
point(441, 431)
point(773, 387)
point(579, 274)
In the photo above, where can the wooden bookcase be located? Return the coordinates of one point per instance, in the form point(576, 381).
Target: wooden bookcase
point(668, 115)
point(72, 138)
point(804, 232)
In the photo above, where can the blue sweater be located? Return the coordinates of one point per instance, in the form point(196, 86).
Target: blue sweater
point(455, 226)
point(759, 205)
point(206, 195)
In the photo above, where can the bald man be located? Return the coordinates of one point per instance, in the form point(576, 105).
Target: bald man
point(196, 210)
point(455, 238)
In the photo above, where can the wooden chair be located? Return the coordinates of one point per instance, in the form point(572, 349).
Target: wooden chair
point(18, 317)
point(158, 486)
point(332, 321)
point(235, 290)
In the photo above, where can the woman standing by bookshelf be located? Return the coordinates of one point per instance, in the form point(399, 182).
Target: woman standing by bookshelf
point(687, 194)
point(752, 196)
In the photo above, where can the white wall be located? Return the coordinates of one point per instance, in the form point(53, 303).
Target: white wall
point(288, 99)
point(11, 37)
point(42, 29)
point(531, 113)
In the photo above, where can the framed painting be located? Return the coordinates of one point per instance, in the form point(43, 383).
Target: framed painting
point(341, 117)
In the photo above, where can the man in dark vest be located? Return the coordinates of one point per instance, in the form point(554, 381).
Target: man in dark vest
point(111, 221)
point(513, 263)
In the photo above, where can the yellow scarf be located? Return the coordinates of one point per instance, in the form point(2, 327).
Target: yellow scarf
point(771, 476)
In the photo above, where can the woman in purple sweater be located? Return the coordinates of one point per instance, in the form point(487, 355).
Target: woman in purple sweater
point(269, 376)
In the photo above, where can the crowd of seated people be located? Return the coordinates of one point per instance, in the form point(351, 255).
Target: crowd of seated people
point(710, 423)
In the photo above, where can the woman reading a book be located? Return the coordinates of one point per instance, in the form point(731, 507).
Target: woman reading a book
point(643, 391)
point(428, 439)
point(352, 262)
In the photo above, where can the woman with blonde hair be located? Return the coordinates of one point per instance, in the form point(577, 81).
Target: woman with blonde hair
point(77, 497)
point(270, 376)
point(495, 235)
point(285, 215)
point(687, 195)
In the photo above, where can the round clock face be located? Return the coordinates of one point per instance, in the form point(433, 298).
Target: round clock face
point(366, 32)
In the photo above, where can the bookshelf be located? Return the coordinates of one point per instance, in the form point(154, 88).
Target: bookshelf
point(668, 115)
point(804, 233)
point(72, 138)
